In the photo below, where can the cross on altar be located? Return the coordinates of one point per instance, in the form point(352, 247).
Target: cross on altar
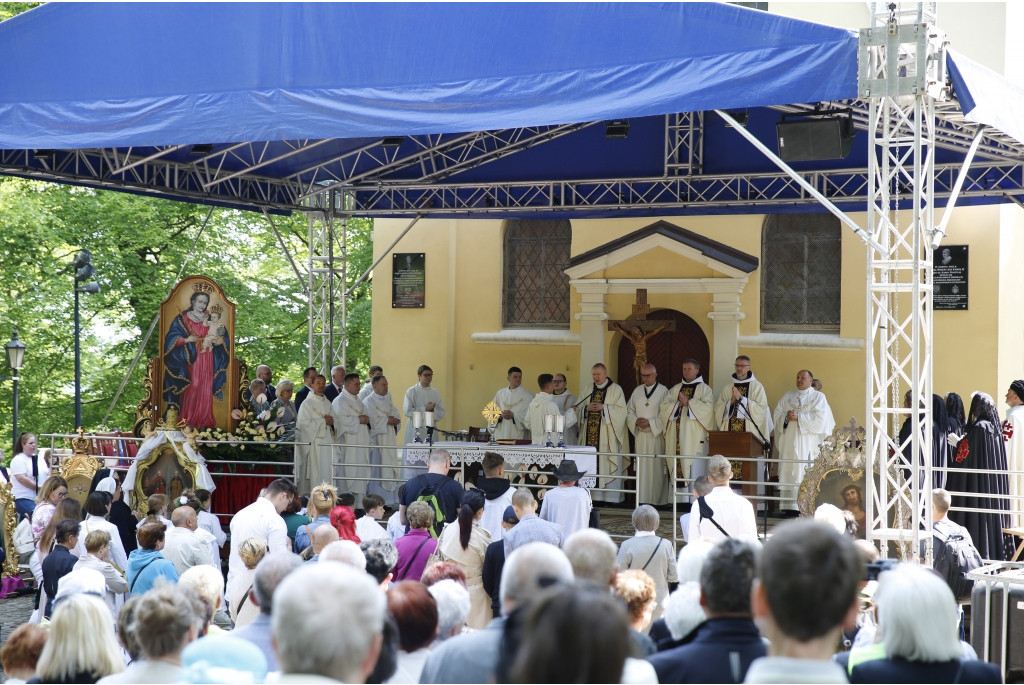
point(640, 329)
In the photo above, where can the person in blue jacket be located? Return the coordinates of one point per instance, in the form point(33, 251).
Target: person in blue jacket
point(146, 563)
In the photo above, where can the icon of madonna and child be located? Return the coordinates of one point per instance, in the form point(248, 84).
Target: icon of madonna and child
point(196, 357)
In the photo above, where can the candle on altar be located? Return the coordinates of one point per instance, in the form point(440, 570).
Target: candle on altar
point(548, 422)
point(430, 418)
point(417, 419)
point(560, 423)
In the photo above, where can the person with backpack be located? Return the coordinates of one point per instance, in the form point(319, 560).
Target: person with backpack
point(953, 552)
point(436, 488)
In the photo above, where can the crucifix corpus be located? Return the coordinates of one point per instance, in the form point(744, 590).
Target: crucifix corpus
point(640, 329)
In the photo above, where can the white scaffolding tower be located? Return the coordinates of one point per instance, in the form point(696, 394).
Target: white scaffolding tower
point(902, 74)
point(328, 267)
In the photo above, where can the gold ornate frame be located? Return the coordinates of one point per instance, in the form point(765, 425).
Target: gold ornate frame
point(10, 524)
point(843, 451)
point(138, 495)
point(79, 468)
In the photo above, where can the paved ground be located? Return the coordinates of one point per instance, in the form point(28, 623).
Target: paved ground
point(13, 612)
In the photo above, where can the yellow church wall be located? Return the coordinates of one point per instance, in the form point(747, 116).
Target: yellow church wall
point(1011, 313)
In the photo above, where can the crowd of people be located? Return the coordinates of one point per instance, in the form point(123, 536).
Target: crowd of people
point(467, 585)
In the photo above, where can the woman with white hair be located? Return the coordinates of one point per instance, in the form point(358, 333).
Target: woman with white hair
point(917, 622)
point(81, 647)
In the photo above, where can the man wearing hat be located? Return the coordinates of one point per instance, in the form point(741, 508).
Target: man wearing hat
point(1013, 435)
point(567, 506)
point(494, 560)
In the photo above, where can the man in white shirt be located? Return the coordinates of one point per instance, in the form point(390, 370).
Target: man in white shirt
point(568, 506)
point(1013, 436)
point(368, 526)
point(604, 427)
point(367, 388)
point(315, 425)
point(734, 513)
point(385, 420)
point(498, 491)
point(566, 402)
point(351, 425)
point(643, 419)
point(803, 420)
point(182, 546)
point(689, 413)
point(262, 519)
point(514, 402)
point(422, 398)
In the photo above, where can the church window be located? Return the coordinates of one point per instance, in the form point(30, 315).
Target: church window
point(801, 267)
point(536, 288)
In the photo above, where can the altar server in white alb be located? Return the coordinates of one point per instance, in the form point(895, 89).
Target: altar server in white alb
point(422, 398)
point(367, 388)
point(803, 420)
point(604, 427)
point(1013, 436)
point(566, 402)
point(352, 426)
point(315, 425)
point(643, 419)
point(689, 413)
point(384, 422)
point(514, 402)
point(544, 412)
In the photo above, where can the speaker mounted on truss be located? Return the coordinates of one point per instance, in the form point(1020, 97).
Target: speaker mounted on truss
point(815, 136)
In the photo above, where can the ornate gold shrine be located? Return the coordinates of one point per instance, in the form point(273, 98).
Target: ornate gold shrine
point(79, 469)
point(166, 470)
point(10, 524)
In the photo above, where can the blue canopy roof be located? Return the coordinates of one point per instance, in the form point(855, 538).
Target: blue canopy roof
point(140, 74)
point(466, 108)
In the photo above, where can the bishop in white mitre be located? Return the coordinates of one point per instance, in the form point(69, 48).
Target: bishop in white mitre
point(604, 427)
point(544, 405)
point(689, 413)
point(384, 422)
point(803, 420)
point(422, 398)
point(643, 419)
point(514, 402)
point(314, 424)
point(352, 426)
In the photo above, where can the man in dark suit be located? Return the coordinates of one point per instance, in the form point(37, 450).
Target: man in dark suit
point(728, 641)
point(337, 383)
point(265, 373)
point(307, 377)
point(60, 561)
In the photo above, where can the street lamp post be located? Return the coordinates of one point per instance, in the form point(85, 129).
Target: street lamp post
point(83, 272)
point(15, 359)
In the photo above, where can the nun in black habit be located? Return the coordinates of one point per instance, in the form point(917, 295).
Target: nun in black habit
point(940, 445)
point(982, 449)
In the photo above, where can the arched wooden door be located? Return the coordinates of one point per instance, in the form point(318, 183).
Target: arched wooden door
point(666, 351)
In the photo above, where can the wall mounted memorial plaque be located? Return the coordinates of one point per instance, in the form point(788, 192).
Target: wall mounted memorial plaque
point(950, 278)
point(408, 280)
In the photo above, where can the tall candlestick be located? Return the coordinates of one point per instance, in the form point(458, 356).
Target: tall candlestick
point(560, 423)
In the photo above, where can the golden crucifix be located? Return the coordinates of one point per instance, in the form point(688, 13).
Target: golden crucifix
point(640, 329)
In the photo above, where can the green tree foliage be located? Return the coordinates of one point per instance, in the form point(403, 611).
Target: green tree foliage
point(139, 247)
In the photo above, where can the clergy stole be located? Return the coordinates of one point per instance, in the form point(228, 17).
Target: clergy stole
point(738, 424)
point(688, 389)
point(593, 435)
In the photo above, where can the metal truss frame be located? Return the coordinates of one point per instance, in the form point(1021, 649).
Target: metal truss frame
point(902, 74)
point(684, 144)
point(327, 273)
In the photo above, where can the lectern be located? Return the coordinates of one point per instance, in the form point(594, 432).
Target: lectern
point(745, 444)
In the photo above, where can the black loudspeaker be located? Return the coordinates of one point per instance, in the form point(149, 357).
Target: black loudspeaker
point(806, 140)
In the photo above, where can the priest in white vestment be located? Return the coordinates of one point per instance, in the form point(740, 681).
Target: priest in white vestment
point(689, 413)
point(514, 402)
point(566, 401)
point(367, 388)
point(315, 425)
point(1013, 436)
point(604, 427)
point(743, 405)
point(422, 398)
point(643, 419)
point(544, 405)
point(803, 420)
point(384, 422)
point(352, 425)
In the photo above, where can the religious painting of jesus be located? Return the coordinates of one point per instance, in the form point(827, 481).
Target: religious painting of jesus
point(196, 354)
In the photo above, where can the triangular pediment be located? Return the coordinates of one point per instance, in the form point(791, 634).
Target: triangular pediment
point(717, 256)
